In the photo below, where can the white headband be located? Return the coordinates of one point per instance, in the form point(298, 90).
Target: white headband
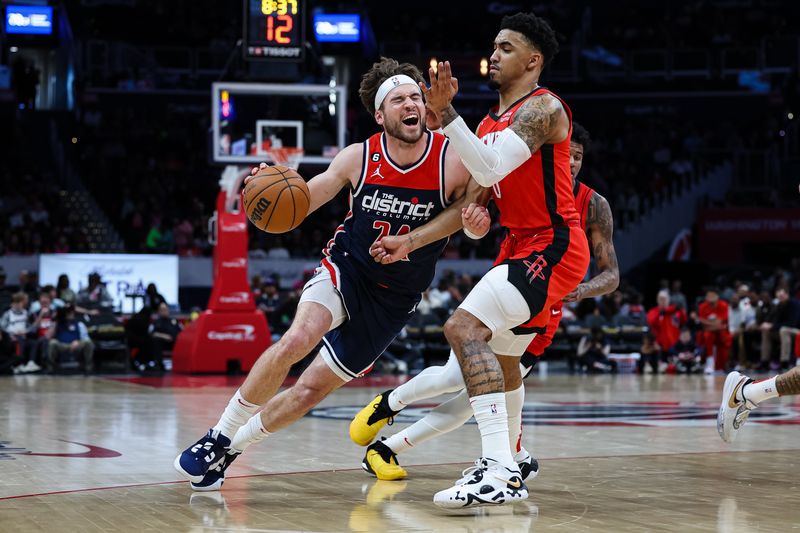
point(391, 83)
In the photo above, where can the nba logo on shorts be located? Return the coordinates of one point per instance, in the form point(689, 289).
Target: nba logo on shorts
point(494, 409)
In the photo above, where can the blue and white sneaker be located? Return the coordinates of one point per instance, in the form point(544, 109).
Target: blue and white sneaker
point(215, 477)
point(202, 456)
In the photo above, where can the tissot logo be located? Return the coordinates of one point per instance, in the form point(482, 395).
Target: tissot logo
point(236, 333)
point(235, 298)
point(388, 204)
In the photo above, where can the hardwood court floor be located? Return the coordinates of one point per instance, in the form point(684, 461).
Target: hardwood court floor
point(620, 453)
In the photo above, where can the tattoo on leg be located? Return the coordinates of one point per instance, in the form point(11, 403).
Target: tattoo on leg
point(481, 369)
point(788, 383)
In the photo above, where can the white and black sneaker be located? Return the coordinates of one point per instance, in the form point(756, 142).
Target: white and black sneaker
point(486, 483)
point(735, 408)
point(528, 465)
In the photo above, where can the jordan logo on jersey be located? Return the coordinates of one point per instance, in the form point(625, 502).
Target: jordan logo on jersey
point(377, 172)
point(535, 268)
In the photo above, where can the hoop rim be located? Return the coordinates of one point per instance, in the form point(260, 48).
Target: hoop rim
point(287, 156)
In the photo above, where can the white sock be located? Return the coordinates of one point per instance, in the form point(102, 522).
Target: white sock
point(250, 433)
point(758, 391)
point(521, 455)
point(432, 381)
point(445, 417)
point(490, 413)
point(514, 401)
point(236, 414)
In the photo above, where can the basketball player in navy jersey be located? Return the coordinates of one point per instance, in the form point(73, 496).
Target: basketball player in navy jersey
point(521, 151)
point(381, 456)
point(398, 179)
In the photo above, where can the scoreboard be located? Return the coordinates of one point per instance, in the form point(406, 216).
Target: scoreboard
point(274, 29)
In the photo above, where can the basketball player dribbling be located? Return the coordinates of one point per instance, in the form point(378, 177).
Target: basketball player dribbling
point(381, 456)
point(521, 151)
point(399, 179)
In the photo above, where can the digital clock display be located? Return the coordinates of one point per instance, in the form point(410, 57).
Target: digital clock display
point(274, 29)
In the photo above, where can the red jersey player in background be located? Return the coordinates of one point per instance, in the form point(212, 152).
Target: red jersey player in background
point(713, 317)
point(381, 456)
point(522, 153)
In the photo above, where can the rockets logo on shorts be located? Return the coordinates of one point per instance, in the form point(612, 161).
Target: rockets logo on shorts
point(535, 268)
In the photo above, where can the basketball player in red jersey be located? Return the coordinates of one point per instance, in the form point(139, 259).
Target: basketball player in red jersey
point(398, 179)
point(521, 151)
point(381, 456)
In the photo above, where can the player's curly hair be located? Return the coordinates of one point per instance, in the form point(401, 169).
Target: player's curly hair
point(536, 30)
point(581, 136)
point(384, 69)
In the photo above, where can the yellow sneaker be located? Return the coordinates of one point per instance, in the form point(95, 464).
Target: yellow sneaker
point(381, 462)
point(369, 421)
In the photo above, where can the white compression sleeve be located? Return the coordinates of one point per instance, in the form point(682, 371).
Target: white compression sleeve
point(487, 164)
point(432, 381)
point(443, 418)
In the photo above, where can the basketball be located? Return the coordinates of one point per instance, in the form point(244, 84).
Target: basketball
point(276, 199)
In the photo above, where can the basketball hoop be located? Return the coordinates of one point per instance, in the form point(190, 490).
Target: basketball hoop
point(288, 156)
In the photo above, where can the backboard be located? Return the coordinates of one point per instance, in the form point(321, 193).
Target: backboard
point(250, 118)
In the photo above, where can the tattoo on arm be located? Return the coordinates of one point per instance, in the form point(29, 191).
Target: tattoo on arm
point(449, 114)
point(481, 369)
point(536, 120)
point(788, 383)
point(600, 223)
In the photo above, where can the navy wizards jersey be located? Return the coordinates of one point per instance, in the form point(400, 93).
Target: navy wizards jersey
point(391, 199)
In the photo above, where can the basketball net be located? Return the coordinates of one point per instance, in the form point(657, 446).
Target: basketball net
point(288, 156)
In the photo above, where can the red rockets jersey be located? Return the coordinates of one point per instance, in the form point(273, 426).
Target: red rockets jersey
point(538, 194)
point(583, 195)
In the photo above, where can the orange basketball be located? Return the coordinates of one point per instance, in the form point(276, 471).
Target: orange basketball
point(276, 199)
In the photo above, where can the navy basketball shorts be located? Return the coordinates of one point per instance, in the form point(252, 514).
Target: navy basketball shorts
point(367, 317)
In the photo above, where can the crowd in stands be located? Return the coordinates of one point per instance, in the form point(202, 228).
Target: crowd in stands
point(33, 217)
point(751, 323)
point(54, 328)
point(163, 190)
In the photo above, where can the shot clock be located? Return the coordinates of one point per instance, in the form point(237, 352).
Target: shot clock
point(274, 29)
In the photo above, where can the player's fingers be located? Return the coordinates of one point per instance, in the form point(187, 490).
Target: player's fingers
point(471, 209)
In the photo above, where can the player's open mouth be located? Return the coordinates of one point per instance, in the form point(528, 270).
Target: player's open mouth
point(411, 120)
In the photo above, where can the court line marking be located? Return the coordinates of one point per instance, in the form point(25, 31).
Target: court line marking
point(268, 474)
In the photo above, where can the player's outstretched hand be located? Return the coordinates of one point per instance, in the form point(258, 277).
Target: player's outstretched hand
point(390, 249)
point(476, 219)
point(254, 171)
point(443, 87)
point(433, 120)
point(575, 295)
